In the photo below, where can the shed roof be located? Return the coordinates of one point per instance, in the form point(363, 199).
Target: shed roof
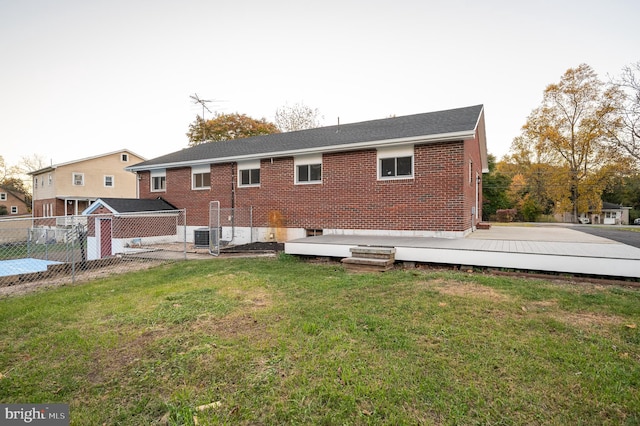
point(448, 125)
point(130, 205)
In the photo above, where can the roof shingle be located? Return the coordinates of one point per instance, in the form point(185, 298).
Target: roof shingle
point(454, 121)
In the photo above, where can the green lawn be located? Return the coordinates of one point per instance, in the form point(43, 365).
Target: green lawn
point(276, 341)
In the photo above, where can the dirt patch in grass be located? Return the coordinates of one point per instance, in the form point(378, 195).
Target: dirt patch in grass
point(586, 319)
point(110, 363)
point(242, 322)
point(462, 289)
point(233, 326)
point(80, 278)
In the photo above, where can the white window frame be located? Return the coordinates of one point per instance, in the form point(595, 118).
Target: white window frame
point(124, 157)
point(249, 166)
point(3, 196)
point(200, 170)
point(113, 181)
point(307, 160)
point(158, 174)
point(50, 179)
point(14, 209)
point(395, 152)
point(73, 179)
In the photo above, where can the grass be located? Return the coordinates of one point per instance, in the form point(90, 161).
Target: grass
point(276, 341)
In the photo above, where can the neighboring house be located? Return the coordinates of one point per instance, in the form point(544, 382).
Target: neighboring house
point(69, 188)
point(611, 214)
point(15, 203)
point(417, 175)
point(115, 224)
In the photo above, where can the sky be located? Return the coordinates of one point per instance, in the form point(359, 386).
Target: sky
point(81, 78)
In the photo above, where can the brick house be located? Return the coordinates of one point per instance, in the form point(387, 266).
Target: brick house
point(417, 175)
point(14, 203)
point(69, 188)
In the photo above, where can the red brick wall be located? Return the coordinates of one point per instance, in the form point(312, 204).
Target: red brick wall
point(58, 207)
point(438, 198)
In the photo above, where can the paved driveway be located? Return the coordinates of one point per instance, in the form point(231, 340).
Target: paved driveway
point(537, 232)
point(620, 235)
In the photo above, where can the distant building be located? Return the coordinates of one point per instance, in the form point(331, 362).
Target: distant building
point(69, 188)
point(14, 203)
point(611, 214)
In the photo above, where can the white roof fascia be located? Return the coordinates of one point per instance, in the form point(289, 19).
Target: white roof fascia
point(55, 166)
point(445, 137)
point(97, 203)
point(482, 141)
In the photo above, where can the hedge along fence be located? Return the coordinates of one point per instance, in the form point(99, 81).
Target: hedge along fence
point(37, 249)
point(506, 215)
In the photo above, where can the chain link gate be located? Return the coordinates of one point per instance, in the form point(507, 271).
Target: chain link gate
point(214, 228)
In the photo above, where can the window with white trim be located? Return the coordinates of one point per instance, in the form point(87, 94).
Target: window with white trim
point(14, 209)
point(50, 179)
point(124, 158)
point(201, 177)
point(308, 169)
point(249, 173)
point(3, 196)
point(158, 180)
point(108, 181)
point(395, 163)
point(78, 179)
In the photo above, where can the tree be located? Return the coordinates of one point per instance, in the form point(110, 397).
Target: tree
point(627, 138)
point(228, 126)
point(570, 131)
point(494, 190)
point(16, 178)
point(297, 117)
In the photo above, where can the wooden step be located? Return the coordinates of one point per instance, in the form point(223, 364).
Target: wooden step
point(370, 259)
point(370, 252)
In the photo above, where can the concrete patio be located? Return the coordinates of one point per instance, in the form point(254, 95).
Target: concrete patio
point(548, 248)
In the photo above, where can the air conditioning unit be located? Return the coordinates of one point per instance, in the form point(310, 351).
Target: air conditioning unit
point(201, 237)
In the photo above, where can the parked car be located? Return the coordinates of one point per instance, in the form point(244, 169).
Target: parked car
point(637, 221)
point(584, 220)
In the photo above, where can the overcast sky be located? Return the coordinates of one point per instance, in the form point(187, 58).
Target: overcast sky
point(85, 77)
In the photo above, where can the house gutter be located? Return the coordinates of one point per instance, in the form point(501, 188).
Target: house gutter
point(445, 137)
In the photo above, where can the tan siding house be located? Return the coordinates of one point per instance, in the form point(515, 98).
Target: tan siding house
point(13, 202)
point(69, 188)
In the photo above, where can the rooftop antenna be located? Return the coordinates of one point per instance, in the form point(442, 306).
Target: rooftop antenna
point(196, 100)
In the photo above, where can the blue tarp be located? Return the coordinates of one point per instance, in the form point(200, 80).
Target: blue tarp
point(24, 266)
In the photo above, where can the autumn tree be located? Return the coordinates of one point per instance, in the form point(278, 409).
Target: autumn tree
point(297, 117)
point(494, 190)
point(627, 137)
point(570, 131)
point(224, 127)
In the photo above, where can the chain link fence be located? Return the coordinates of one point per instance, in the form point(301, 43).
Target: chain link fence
point(68, 248)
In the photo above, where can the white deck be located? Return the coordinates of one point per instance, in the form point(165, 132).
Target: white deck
point(551, 249)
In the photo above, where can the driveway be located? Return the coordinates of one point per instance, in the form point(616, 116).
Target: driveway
point(623, 236)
